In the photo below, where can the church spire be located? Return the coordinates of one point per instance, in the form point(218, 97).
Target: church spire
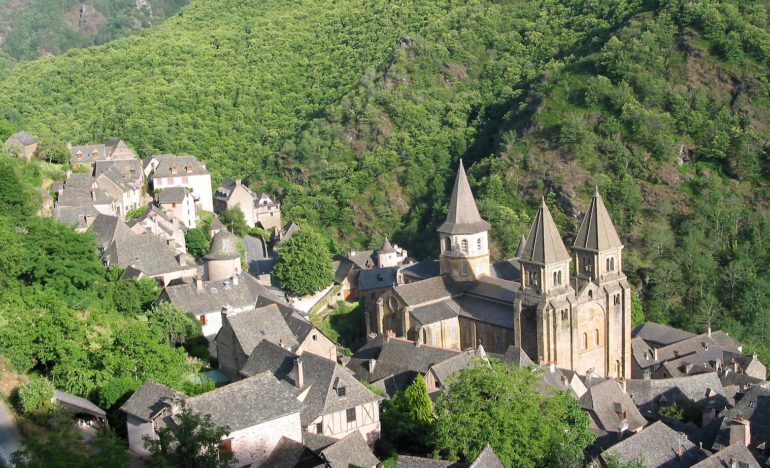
point(597, 232)
point(463, 216)
point(544, 245)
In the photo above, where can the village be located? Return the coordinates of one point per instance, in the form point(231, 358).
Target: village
point(292, 396)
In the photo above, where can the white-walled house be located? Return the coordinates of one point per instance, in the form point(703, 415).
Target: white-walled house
point(168, 170)
point(179, 203)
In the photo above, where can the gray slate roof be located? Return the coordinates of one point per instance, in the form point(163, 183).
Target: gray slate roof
point(248, 402)
point(544, 244)
point(436, 312)
point(422, 270)
point(167, 161)
point(23, 137)
point(270, 357)
point(224, 246)
point(265, 323)
point(224, 191)
point(363, 259)
point(659, 335)
point(128, 168)
point(754, 406)
point(387, 247)
point(147, 253)
point(74, 215)
point(600, 402)
point(427, 290)
point(737, 452)
point(87, 152)
point(149, 400)
point(78, 404)
point(463, 216)
point(657, 445)
point(216, 294)
point(690, 346)
point(517, 356)
point(487, 459)
point(448, 367)
point(596, 232)
point(107, 228)
point(292, 454)
point(351, 450)
point(377, 278)
point(408, 461)
point(172, 195)
point(647, 392)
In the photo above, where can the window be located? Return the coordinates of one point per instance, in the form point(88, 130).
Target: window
point(173, 205)
point(315, 337)
point(169, 180)
point(596, 337)
point(342, 393)
point(464, 246)
point(584, 341)
point(479, 244)
point(555, 279)
point(559, 276)
point(564, 315)
point(590, 294)
point(203, 319)
point(448, 244)
point(319, 428)
point(173, 169)
point(351, 415)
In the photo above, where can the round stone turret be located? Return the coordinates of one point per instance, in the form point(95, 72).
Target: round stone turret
point(224, 260)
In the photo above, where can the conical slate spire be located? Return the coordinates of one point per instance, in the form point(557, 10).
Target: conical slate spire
point(463, 216)
point(544, 244)
point(387, 247)
point(520, 249)
point(597, 232)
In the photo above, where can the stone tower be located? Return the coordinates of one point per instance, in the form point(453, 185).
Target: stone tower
point(598, 263)
point(463, 236)
point(223, 261)
point(542, 318)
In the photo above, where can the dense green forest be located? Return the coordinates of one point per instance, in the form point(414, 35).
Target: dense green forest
point(357, 113)
point(33, 28)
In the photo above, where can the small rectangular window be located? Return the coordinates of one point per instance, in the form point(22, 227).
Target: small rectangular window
point(203, 320)
point(226, 446)
point(342, 393)
point(319, 428)
point(351, 415)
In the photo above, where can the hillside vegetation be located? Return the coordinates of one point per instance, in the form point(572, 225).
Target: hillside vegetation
point(357, 113)
point(32, 28)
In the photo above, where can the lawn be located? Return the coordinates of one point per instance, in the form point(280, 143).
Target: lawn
point(345, 324)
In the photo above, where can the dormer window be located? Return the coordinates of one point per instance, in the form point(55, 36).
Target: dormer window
point(95, 154)
point(342, 393)
point(188, 168)
point(173, 169)
point(79, 155)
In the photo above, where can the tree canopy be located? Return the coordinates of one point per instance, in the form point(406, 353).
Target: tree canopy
point(304, 263)
point(498, 404)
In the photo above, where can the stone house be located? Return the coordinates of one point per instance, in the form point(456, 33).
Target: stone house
point(168, 170)
point(122, 188)
point(267, 213)
point(334, 403)
point(233, 193)
point(612, 412)
point(149, 255)
point(155, 222)
point(21, 145)
point(260, 411)
point(748, 422)
point(89, 155)
point(178, 202)
point(657, 445)
point(79, 200)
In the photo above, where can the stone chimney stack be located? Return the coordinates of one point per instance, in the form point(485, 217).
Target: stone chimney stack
point(300, 372)
point(235, 280)
point(372, 363)
point(740, 431)
point(655, 354)
point(198, 281)
point(180, 257)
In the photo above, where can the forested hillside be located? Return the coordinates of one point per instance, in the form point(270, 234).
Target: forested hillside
point(33, 28)
point(357, 113)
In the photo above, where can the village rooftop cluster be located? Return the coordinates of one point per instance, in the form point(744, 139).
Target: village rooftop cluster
point(290, 397)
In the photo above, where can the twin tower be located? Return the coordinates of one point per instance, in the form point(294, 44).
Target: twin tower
point(579, 320)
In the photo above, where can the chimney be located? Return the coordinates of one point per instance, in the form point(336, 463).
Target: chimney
point(93, 194)
point(226, 309)
point(181, 259)
point(622, 383)
point(708, 330)
point(733, 463)
point(198, 281)
point(235, 280)
point(372, 363)
point(680, 451)
point(300, 372)
point(740, 431)
point(238, 183)
point(654, 354)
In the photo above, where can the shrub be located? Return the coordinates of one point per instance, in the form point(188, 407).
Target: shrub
point(35, 394)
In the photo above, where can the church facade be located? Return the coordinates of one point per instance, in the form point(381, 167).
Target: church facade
point(579, 321)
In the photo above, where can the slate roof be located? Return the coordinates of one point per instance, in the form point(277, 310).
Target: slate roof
point(149, 400)
point(75, 215)
point(448, 367)
point(23, 137)
point(224, 246)
point(268, 356)
point(320, 376)
point(754, 406)
point(436, 312)
point(224, 191)
point(695, 344)
point(600, 402)
point(647, 392)
point(78, 404)
point(288, 230)
point(172, 195)
point(427, 290)
point(145, 252)
point(659, 335)
point(167, 161)
point(297, 323)
point(128, 168)
point(351, 450)
point(77, 192)
point(422, 270)
point(657, 445)
point(507, 270)
point(488, 311)
point(377, 278)
point(87, 153)
point(248, 402)
point(494, 288)
point(387, 247)
point(107, 228)
point(544, 244)
point(292, 454)
point(216, 294)
point(517, 356)
point(736, 452)
point(363, 259)
point(463, 216)
point(265, 323)
point(596, 232)
point(487, 459)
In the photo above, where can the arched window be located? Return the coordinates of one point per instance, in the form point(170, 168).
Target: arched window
point(590, 294)
point(584, 342)
point(555, 279)
point(448, 244)
point(464, 246)
point(612, 263)
point(479, 244)
point(559, 276)
point(596, 337)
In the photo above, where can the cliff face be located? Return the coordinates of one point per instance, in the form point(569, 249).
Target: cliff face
point(34, 28)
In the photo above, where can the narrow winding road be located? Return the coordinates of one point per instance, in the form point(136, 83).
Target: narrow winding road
point(9, 436)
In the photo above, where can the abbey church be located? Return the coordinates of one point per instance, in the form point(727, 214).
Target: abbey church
point(579, 321)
